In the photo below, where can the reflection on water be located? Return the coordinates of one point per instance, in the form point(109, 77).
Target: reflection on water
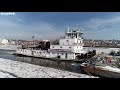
point(64, 65)
point(6, 54)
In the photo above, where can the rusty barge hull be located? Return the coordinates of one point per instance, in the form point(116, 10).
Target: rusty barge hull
point(100, 72)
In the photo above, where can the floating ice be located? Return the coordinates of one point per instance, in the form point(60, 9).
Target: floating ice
point(15, 69)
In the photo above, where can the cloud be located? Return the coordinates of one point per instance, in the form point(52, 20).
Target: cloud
point(15, 28)
point(102, 28)
point(96, 23)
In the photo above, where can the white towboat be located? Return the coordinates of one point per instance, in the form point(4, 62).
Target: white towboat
point(69, 47)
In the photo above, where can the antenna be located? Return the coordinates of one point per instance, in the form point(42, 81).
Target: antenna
point(68, 29)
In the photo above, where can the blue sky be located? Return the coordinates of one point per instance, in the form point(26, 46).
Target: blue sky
point(51, 25)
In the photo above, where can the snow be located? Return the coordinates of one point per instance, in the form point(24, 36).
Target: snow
point(5, 75)
point(15, 69)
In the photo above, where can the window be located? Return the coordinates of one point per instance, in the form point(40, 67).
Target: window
point(67, 40)
point(52, 46)
point(69, 47)
point(76, 35)
point(62, 53)
point(57, 53)
point(60, 47)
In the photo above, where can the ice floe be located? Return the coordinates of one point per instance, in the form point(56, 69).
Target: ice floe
point(15, 69)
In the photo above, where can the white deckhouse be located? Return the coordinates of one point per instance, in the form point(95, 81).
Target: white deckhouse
point(70, 45)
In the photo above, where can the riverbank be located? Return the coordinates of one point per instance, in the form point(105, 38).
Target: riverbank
point(15, 69)
point(9, 47)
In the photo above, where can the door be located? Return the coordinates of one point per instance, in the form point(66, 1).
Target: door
point(66, 55)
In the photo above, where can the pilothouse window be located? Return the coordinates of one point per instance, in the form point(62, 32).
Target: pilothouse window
point(67, 40)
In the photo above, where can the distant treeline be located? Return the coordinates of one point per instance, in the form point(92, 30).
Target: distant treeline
point(104, 46)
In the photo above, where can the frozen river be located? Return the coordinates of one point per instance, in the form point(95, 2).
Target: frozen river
point(15, 69)
point(64, 65)
point(56, 65)
point(16, 66)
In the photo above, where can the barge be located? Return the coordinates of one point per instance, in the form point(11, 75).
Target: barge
point(102, 71)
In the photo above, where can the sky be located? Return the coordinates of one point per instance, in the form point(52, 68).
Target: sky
point(51, 25)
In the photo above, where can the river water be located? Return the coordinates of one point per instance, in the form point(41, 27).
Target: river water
point(63, 65)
